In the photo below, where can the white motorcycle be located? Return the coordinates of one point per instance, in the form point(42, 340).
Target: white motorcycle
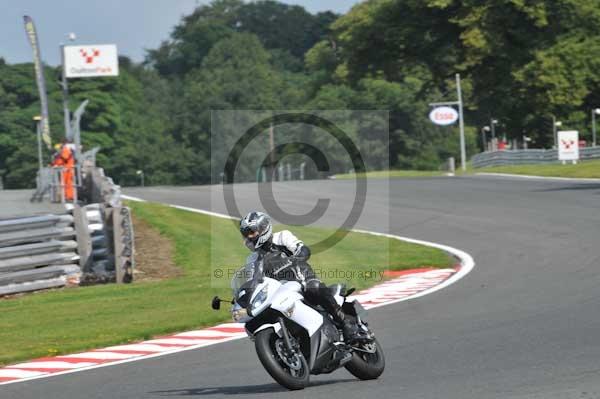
point(293, 338)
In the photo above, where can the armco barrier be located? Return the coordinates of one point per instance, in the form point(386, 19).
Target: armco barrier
point(89, 245)
point(533, 156)
point(37, 252)
point(112, 254)
point(100, 188)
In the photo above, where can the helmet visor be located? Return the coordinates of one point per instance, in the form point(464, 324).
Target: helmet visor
point(250, 232)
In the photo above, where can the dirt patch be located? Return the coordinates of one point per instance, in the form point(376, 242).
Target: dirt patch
point(153, 254)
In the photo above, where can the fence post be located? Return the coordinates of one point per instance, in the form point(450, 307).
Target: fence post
point(123, 244)
point(451, 166)
point(84, 239)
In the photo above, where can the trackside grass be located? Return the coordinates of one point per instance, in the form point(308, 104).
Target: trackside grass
point(587, 169)
point(76, 319)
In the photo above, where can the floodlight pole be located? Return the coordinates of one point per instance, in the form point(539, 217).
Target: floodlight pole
point(463, 149)
point(272, 152)
point(38, 128)
point(594, 112)
point(65, 92)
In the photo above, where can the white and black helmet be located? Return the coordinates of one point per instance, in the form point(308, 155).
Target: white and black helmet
point(260, 223)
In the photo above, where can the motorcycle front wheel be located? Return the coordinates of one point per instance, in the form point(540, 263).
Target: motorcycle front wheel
point(289, 370)
point(367, 361)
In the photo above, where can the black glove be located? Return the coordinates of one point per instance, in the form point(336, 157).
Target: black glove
point(274, 260)
point(302, 253)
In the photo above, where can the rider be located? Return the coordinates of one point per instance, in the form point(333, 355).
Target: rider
point(279, 249)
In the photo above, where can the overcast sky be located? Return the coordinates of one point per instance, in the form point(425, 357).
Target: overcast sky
point(132, 24)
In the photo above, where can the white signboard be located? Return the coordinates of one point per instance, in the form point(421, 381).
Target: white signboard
point(443, 116)
point(568, 145)
point(91, 60)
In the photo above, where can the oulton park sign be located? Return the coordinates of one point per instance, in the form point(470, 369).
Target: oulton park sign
point(91, 60)
point(443, 116)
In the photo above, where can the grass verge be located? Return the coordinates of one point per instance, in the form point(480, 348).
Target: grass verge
point(65, 321)
point(587, 169)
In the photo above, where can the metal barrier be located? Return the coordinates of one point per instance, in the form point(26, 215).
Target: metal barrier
point(38, 252)
point(113, 237)
point(50, 181)
point(281, 172)
point(533, 156)
point(91, 244)
point(101, 188)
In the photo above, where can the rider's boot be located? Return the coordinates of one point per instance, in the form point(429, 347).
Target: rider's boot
point(352, 331)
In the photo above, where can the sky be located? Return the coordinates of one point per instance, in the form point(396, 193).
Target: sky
point(134, 25)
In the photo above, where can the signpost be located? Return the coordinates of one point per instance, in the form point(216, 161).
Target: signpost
point(444, 115)
point(91, 61)
point(84, 62)
point(568, 146)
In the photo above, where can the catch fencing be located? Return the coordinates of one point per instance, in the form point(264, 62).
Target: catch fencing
point(531, 156)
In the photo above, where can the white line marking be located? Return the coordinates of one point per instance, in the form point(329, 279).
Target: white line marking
point(130, 198)
point(10, 373)
point(50, 365)
point(570, 179)
point(207, 334)
point(229, 325)
point(98, 355)
point(219, 215)
point(179, 341)
point(140, 347)
point(466, 260)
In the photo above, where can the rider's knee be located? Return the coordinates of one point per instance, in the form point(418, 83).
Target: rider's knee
point(314, 287)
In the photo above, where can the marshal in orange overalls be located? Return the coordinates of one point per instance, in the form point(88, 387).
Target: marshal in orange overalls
point(66, 159)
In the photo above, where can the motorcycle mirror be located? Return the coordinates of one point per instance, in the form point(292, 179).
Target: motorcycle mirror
point(350, 291)
point(216, 303)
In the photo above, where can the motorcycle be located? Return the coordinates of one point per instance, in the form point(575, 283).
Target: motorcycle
point(294, 338)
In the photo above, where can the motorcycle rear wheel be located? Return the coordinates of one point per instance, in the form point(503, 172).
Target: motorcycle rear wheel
point(291, 378)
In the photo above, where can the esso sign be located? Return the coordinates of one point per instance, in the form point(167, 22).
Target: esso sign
point(443, 116)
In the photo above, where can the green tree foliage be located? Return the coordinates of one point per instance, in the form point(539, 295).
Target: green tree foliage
point(18, 105)
point(521, 61)
point(289, 29)
point(125, 117)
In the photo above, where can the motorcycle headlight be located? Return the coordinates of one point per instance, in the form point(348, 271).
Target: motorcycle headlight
point(260, 298)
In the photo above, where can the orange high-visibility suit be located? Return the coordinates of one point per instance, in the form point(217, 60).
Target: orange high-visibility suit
point(66, 159)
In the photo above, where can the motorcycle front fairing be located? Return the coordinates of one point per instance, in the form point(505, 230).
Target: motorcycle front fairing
point(269, 300)
point(282, 300)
